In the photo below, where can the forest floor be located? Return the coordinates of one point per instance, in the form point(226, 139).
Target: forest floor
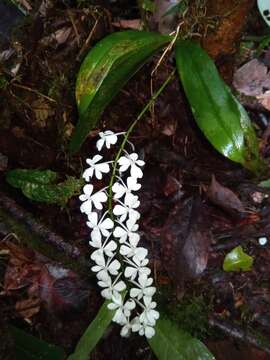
point(196, 205)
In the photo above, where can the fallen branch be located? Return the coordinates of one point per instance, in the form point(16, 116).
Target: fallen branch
point(236, 332)
point(15, 219)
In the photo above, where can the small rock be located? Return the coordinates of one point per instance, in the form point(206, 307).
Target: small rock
point(263, 240)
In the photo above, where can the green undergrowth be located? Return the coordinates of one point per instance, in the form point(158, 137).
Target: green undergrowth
point(190, 313)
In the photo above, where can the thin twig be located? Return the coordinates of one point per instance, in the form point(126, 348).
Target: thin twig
point(34, 91)
point(144, 110)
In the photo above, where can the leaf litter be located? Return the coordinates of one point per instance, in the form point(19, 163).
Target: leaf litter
point(191, 218)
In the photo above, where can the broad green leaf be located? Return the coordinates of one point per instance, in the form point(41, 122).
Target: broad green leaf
point(265, 183)
point(219, 115)
point(105, 70)
point(38, 185)
point(237, 260)
point(28, 347)
point(93, 333)
point(172, 343)
point(18, 177)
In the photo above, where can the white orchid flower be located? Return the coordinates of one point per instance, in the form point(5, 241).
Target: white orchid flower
point(127, 327)
point(149, 315)
point(101, 227)
point(107, 138)
point(108, 248)
point(120, 189)
point(132, 161)
point(110, 288)
point(95, 168)
point(89, 199)
point(130, 249)
point(143, 328)
point(127, 232)
point(144, 288)
point(136, 267)
point(123, 310)
point(125, 210)
point(103, 268)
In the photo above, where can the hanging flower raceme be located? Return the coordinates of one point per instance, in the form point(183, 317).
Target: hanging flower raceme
point(121, 265)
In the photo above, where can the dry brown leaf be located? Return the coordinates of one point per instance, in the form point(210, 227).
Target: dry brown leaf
point(224, 198)
point(264, 99)
point(252, 78)
point(135, 24)
point(27, 308)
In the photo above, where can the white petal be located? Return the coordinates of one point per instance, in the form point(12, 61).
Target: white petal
point(140, 162)
point(136, 172)
point(120, 286)
point(107, 224)
point(133, 156)
point(119, 190)
point(86, 207)
point(119, 232)
point(135, 292)
point(87, 174)
point(96, 159)
point(114, 267)
point(100, 144)
point(130, 304)
point(126, 250)
point(141, 253)
point(88, 189)
point(119, 210)
point(93, 219)
point(106, 293)
point(124, 161)
point(132, 184)
point(149, 332)
point(96, 235)
point(130, 272)
point(149, 291)
point(104, 167)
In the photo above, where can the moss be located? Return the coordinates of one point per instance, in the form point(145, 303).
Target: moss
point(191, 314)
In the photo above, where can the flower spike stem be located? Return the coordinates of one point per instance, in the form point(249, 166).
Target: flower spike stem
point(144, 110)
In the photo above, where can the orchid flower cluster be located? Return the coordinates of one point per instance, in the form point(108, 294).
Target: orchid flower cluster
point(120, 264)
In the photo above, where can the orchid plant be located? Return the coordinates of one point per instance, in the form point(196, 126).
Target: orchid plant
point(120, 264)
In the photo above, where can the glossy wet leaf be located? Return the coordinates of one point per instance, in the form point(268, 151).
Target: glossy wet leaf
point(237, 260)
point(39, 185)
point(105, 70)
point(219, 115)
point(28, 347)
point(93, 333)
point(172, 343)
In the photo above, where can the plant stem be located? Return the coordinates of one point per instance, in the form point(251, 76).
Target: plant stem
point(146, 108)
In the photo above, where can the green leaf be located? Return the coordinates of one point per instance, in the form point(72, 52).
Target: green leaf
point(178, 8)
point(38, 185)
point(172, 343)
point(105, 70)
point(18, 177)
point(28, 347)
point(237, 260)
point(219, 115)
point(265, 183)
point(93, 333)
point(148, 5)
